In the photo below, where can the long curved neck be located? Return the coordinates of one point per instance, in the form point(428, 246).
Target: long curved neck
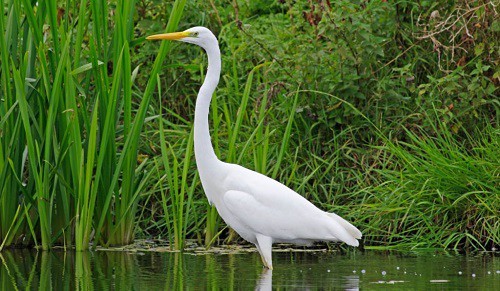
point(203, 149)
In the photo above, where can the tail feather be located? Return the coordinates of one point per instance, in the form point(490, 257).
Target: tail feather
point(351, 229)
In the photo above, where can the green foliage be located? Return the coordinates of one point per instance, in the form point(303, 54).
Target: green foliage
point(446, 193)
point(384, 112)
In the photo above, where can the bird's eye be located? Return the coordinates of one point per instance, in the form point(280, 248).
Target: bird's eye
point(195, 34)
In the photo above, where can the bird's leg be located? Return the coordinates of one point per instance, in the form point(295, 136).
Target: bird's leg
point(265, 247)
point(263, 259)
point(260, 253)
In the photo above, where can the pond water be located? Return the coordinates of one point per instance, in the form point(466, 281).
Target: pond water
point(122, 270)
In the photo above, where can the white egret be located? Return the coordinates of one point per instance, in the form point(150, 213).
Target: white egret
point(260, 209)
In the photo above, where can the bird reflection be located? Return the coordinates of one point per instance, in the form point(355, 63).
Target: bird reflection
point(265, 281)
point(351, 283)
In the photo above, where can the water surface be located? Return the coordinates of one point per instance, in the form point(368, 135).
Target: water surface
point(121, 270)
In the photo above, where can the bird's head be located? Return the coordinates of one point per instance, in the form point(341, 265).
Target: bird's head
point(198, 35)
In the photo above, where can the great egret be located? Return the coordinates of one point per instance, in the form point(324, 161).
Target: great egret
point(260, 209)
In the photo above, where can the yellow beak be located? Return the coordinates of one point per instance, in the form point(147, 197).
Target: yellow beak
point(169, 36)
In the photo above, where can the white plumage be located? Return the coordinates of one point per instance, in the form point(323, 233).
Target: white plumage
point(260, 209)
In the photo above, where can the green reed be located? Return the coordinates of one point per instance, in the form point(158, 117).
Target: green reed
point(69, 138)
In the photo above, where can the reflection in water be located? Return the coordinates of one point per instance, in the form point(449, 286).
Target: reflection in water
point(108, 270)
point(83, 273)
point(351, 283)
point(178, 276)
point(265, 281)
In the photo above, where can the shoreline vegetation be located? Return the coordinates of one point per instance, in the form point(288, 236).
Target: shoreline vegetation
point(385, 113)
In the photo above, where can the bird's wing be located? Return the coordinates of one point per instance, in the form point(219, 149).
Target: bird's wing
point(268, 207)
point(261, 217)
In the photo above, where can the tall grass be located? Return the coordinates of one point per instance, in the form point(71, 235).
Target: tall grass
point(68, 152)
point(446, 193)
point(175, 206)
